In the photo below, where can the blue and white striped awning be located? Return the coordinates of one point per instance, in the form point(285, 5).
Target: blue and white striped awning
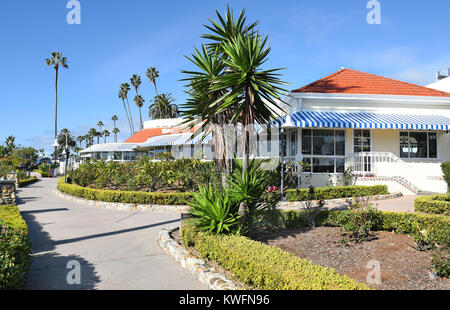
point(175, 139)
point(368, 120)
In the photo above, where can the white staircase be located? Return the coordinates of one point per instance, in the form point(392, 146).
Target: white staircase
point(385, 166)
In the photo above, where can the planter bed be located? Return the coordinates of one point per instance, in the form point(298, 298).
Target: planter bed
point(402, 266)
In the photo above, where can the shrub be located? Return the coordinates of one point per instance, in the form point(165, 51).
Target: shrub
point(359, 220)
point(15, 248)
point(28, 181)
point(324, 193)
point(132, 197)
point(436, 226)
point(437, 204)
point(446, 171)
point(441, 262)
point(215, 211)
point(266, 267)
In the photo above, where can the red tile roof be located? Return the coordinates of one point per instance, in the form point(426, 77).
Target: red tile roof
point(143, 135)
point(349, 81)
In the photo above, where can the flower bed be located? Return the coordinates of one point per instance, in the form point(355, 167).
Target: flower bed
point(437, 204)
point(15, 248)
point(262, 266)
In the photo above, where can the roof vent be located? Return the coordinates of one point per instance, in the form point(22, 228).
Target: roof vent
point(443, 74)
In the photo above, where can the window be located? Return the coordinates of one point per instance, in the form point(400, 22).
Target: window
point(292, 142)
point(361, 141)
point(324, 150)
point(414, 144)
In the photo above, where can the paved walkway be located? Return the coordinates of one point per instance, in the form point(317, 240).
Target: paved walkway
point(401, 204)
point(116, 249)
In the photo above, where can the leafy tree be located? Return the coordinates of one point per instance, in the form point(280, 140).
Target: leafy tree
point(56, 61)
point(10, 144)
point(163, 107)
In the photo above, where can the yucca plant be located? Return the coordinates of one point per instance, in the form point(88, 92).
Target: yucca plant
point(215, 211)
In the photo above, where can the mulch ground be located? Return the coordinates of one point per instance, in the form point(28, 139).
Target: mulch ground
point(402, 266)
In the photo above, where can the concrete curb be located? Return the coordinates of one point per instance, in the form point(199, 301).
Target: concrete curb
point(122, 206)
point(198, 267)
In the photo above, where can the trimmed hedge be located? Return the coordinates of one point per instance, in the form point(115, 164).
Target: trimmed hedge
point(323, 193)
point(437, 204)
point(263, 266)
point(446, 170)
point(26, 182)
point(15, 248)
point(437, 226)
point(124, 196)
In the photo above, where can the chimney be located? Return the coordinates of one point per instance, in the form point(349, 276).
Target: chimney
point(442, 74)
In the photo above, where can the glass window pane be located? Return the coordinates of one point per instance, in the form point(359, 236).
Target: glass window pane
point(323, 165)
point(418, 145)
point(307, 162)
point(340, 142)
point(323, 142)
point(340, 165)
point(306, 141)
point(366, 133)
point(432, 142)
point(293, 143)
point(404, 145)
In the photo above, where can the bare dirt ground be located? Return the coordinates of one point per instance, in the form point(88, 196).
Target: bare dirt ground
point(402, 266)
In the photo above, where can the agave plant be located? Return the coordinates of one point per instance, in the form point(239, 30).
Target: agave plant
point(215, 211)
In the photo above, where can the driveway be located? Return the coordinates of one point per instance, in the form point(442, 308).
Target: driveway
point(114, 249)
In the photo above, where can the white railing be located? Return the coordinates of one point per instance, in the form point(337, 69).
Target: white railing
point(385, 164)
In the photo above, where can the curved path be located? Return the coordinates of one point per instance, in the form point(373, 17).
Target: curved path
point(115, 249)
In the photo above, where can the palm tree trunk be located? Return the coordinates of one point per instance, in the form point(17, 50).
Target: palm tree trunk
point(140, 118)
point(56, 106)
point(131, 117)
point(128, 117)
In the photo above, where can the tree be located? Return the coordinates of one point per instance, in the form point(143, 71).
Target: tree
point(123, 94)
point(115, 132)
point(152, 75)
point(163, 107)
point(136, 82)
point(3, 151)
point(139, 102)
point(80, 140)
point(56, 61)
point(106, 134)
point(10, 144)
point(114, 118)
point(92, 133)
point(100, 124)
point(250, 93)
point(66, 140)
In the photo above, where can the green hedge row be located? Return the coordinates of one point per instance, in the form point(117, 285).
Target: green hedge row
point(263, 266)
point(28, 181)
point(437, 204)
point(15, 248)
point(446, 170)
point(124, 196)
point(323, 193)
point(436, 226)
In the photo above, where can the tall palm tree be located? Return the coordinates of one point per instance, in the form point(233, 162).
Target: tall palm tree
point(92, 134)
point(152, 75)
point(115, 132)
point(251, 93)
point(100, 124)
point(114, 118)
point(106, 134)
point(136, 82)
point(139, 102)
point(80, 140)
point(163, 107)
point(122, 97)
point(125, 88)
point(56, 61)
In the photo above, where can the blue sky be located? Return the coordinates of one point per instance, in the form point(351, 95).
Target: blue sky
point(116, 39)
